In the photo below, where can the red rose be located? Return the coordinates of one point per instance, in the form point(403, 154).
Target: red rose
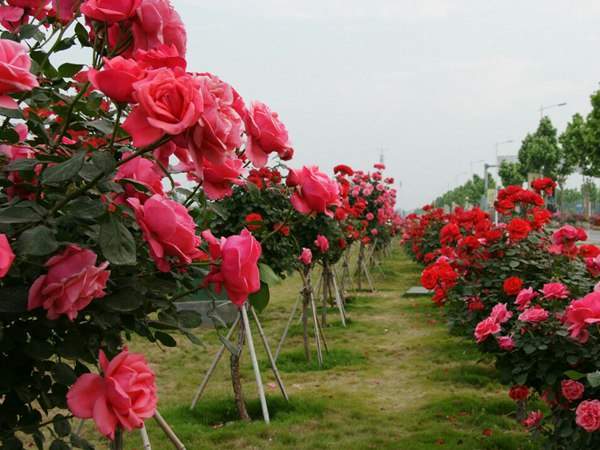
point(518, 229)
point(512, 285)
point(587, 415)
point(253, 221)
point(571, 389)
point(518, 392)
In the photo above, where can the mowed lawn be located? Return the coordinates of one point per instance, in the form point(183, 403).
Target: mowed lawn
point(395, 380)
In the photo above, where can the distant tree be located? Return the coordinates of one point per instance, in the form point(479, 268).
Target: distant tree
point(510, 173)
point(540, 152)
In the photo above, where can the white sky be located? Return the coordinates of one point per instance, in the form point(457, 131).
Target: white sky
point(436, 83)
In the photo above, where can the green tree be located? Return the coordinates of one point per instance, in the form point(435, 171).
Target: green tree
point(540, 152)
point(510, 173)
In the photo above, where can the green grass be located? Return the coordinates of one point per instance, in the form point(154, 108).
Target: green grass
point(394, 379)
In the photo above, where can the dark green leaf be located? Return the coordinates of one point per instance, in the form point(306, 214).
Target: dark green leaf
point(86, 208)
point(12, 113)
point(117, 243)
point(259, 300)
point(13, 299)
point(125, 300)
point(21, 165)
point(67, 70)
point(594, 378)
point(59, 444)
point(17, 214)
point(267, 275)
point(37, 241)
point(64, 171)
point(189, 319)
point(61, 425)
point(165, 339)
point(102, 125)
point(64, 374)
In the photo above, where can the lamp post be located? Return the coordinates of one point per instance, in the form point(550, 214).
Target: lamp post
point(556, 105)
point(484, 200)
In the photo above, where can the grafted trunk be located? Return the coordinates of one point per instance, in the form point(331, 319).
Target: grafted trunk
point(236, 380)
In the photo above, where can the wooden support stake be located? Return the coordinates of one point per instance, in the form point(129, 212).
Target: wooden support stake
point(259, 383)
point(162, 423)
point(287, 328)
point(213, 366)
point(338, 300)
point(145, 439)
point(269, 354)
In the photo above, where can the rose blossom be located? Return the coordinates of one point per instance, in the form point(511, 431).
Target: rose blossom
point(506, 343)
point(518, 229)
point(587, 415)
point(116, 78)
point(238, 270)
point(6, 256)
point(157, 23)
point(72, 282)
point(524, 298)
point(322, 243)
point(123, 396)
point(218, 178)
point(518, 392)
point(500, 314)
point(161, 56)
point(169, 230)
point(169, 103)
point(533, 419)
point(110, 11)
point(14, 72)
point(534, 315)
point(315, 191)
point(555, 291)
point(571, 390)
point(142, 171)
point(253, 221)
point(65, 9)
point(512, 285)
point(486, 328)
point(582, 313)
point(306, 256)
point(266, 134)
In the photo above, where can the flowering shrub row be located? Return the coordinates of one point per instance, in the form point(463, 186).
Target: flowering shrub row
point(128, 182)
point(527, 296)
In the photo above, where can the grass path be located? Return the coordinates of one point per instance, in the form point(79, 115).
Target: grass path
point(397, 381)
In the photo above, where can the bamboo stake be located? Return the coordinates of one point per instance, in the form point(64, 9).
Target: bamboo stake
point(259, 383)
point(287, 328)
point(213, 366)
point(338, 301)
point(162, 423)
point(145, 439)
point(269, 354)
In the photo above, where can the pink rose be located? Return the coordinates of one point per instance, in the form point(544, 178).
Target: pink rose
point(72, 282)
point(587, 415)
point(161, 56)
point(65, 9)
point(593, 265)
point(6, 256)
point(571, 390)
point(169, 230)
point(524, 298)
point(169, 103)
point(116, 78)
point(266, 134)
point(110, 11)
point(555, 291)
point(500, 314)
point(533, 419)
point(12, 17)
point(142, 171)
point(322, 243)
point(315, 191)
point(506, 343)
point(123, 396)
point(31, 4)
point(218, 179)
point(486, 328)
point(238, 270)
point(157, 23)
point(219, 130)
point(306, 256)
point(582, 313)
point(534, 315)
point(14, 72)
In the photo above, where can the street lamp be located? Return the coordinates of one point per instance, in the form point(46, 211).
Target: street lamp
point(484, 200)
point(543, 108)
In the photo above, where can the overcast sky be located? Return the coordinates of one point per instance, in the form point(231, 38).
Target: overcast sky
point(435, 82)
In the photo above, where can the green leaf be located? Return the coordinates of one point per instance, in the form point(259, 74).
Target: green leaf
point(61, 425)
point(67, 70)
point(86, 208)
point(117, 243)
point(103, 125)
point(9, 135)
point(189, 319)
point(125, 300)
point(64, 171)
point(11, 113)
point(259, 300)
point(82, 35)
point(594, 378)
point(37, 241)
point(21, 165)
point(64, 374)
point(59, 444)
point(574, 375)
point(165, 339)
point(267, 275)
point(19, 214)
